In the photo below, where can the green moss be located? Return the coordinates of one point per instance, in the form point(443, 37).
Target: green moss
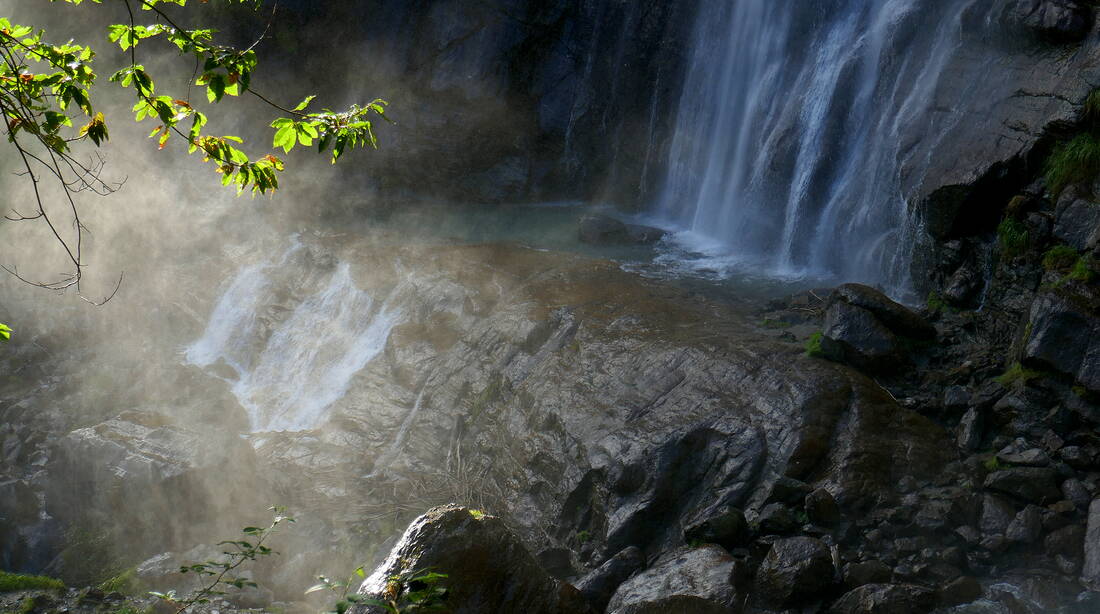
point(1059, 258)
point(1017, 374)
point(1082, 270)
point(813, 346)
point(477, 514)
point(583, 537)
point(936, 303)
point(992, 464)
point(1076, 161)
point(1012, 236)
point(18, 582)
point(125, 582)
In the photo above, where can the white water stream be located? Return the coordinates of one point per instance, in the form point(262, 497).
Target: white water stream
point(796, 121)
point(290, 371)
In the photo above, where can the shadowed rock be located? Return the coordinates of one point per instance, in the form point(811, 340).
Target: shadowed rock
point(487, 568)
point(685, 581)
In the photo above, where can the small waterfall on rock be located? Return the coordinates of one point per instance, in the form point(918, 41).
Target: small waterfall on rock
point(291, 368)
point(795, 125)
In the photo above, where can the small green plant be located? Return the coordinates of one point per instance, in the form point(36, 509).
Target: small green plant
point(418, 591)
point(1017, 375)
point(219, 572)
point(1082, 270)
point(936, 303)
point(813, 346)
point(583, 536)
point(18, 582)
point(1012, 236)
point(1076, 161)
point(992, 464)
point(125, 582)
point(1059, 258)
point(478, 514)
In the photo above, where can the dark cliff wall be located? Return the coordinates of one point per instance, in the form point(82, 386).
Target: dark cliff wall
point(504, 100)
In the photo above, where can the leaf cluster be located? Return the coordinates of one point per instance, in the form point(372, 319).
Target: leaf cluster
point(409, 593)
point(47, 105)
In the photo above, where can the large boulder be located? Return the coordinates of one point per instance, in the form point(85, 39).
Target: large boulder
point(885, 599)
point(863, 327)
point(487, 567)
point(853, 335)
point(1064, 334)
point(796, 570)
point(1077, 222)
point(599, 585)
point(897, 317)
point(684, 581)
point(1030, 484)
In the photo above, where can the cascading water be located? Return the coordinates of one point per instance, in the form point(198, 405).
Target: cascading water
point(289, 374)
point(794, 144)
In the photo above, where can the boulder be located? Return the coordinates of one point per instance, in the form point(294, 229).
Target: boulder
point(599, 585)
point(1065, 335)
point(897, 317)
point(684, 581)
point(962, 589)
point(727, 528)
point(963, 286)
point(997, 513)
point(885, 599)
point(487, 567)
point(777, 519)
point(1077, 223)
point(1069, 541)
point(853, 335)
point(789, 490)
point(1061, 21)
point(867, 572)
point(1031, 484)
point(796, 570)
point(822, 509)
point(969, 435)
point(1026, 527)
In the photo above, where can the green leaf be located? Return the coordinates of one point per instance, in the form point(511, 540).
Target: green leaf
point(305, 103)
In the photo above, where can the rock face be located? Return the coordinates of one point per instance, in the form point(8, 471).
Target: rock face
point(488, 569)
point(139, 468)
point(684, 581)
point(1058, 20)
point(797, 570)
point(516, 101)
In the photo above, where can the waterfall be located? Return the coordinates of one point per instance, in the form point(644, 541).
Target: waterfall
point(794, 141)
point(290, 371)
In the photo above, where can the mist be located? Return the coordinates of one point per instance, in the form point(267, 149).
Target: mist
point(651, 294)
